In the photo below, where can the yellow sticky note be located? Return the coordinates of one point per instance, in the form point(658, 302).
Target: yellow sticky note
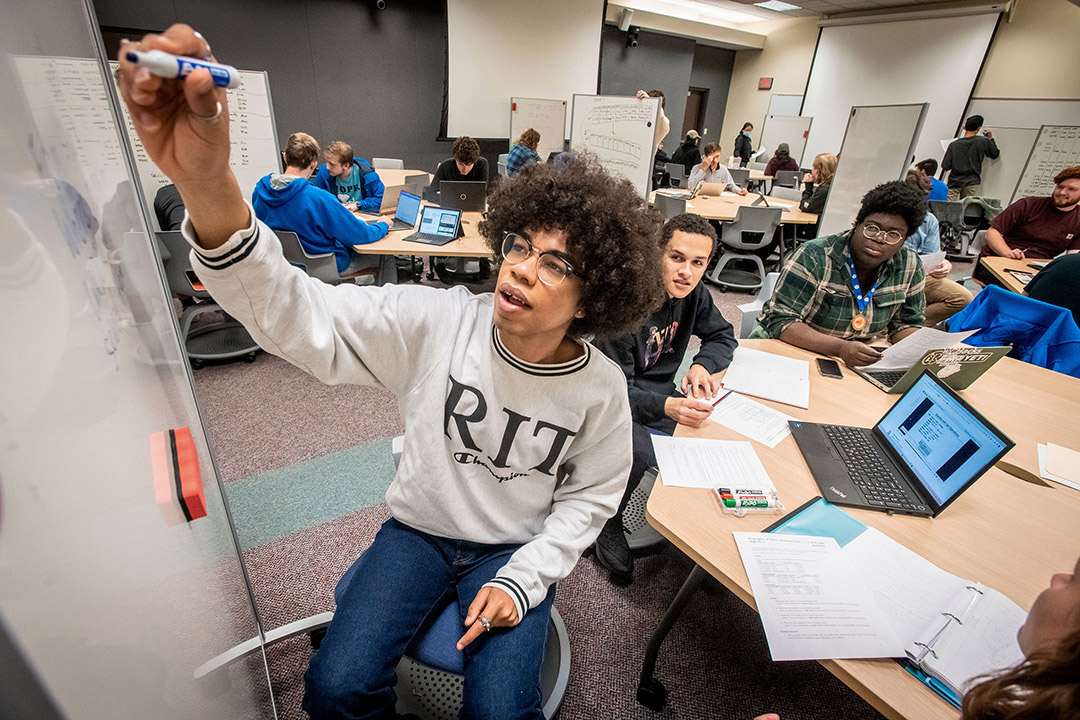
point(1063, 462)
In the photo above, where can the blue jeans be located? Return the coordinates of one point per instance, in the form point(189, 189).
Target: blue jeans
point(381, 602)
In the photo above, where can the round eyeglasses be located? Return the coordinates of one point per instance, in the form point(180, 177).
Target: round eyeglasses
point(551, 267)
point(873, 232)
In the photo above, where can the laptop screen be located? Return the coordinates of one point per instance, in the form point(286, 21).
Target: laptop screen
point(408, 208)
point(439, 221)
point(944, 443)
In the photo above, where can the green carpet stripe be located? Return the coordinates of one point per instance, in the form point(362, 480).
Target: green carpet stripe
point(273, 504)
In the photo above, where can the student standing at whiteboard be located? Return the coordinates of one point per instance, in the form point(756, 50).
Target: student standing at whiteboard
point(518, 443)
point(964, 157)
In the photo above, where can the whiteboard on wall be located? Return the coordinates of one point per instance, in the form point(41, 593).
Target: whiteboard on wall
point(785, 104)
point(547, 117)
point(619, 130)
point(1056, 148)
point(999, 177)
point(255, 151)
point(877, 64)
point(785, 129)
point(1020, 113)
point(877, 148)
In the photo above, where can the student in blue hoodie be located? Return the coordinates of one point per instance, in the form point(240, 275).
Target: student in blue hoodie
point(287, 201)
point(344, 175)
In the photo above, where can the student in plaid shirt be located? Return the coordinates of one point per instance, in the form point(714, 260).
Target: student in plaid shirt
point(839, 291)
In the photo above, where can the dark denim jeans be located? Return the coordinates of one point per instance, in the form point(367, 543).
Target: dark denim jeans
point(381, 602)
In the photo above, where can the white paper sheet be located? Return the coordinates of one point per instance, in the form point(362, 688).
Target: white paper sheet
point(932, 261)
point(769, 376)
point(1063, 462)
point(752, 419)
point(813, 607)
point(699, 463)
point(1049, 475)
point(910, 350)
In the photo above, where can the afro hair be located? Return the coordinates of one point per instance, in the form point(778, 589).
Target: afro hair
point(895, 198)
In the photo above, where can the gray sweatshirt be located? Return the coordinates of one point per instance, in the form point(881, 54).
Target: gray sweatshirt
point(718, 174)
point(497, 450)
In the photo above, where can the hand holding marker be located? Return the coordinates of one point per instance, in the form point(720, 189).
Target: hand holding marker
point(169, 66)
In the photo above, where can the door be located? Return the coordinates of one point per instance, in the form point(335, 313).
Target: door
point(694, 118)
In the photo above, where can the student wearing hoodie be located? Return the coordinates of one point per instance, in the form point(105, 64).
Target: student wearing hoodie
point(350, 179)
point(688, 154)
point(288, 201)
point(781, 160)
point(652, 355)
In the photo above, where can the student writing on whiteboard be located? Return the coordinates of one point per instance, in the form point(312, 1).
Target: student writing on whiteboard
point(464, 165)
point(350, 179)
point(517, 440)
point(523, 152)
point(964, 157)
point(712, 170)
point(839, 292)
point(1036, 227)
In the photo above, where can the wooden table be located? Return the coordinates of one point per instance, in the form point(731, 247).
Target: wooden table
point(724, 207)
point(999, 267)
point(1004, 532)
point(471, 245)
point(397, 177)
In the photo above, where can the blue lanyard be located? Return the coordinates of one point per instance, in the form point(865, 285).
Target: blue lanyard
point(861, 300)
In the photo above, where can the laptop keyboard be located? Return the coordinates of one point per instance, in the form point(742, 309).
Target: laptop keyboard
point(874, 479)
point(887, 377)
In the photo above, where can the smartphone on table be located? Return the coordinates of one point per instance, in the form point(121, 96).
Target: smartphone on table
point(829, 368)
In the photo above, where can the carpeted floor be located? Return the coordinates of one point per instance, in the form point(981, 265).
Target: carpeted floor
point(306, 466)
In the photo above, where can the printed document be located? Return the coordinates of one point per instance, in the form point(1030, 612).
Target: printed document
point(910, 350)
point(812, 606)
point(769, 376)
point(752, 419)
point(701, 463)
point(932, 261)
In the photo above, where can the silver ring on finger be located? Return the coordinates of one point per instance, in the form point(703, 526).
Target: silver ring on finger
point(486, 623)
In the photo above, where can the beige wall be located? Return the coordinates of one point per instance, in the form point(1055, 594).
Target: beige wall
point(1034, 56)
point(786, 57)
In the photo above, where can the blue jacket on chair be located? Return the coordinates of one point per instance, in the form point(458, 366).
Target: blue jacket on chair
point(1041, 334)
point(371, 187)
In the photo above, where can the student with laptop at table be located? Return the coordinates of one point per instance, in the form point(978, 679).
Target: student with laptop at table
point(350, 179)
point(712, 170)
point(464, 165)
point(838, 292)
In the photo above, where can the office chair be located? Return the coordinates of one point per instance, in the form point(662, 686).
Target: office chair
point(974, 219)
point(753, 228)
point(787, 178)
point(669, 206)
point(322, 266)
point(639, 533)
point(677, 173)
point(752, 309)
point(741, 176)
point(225, 340)
point(754, 165)
point(786, 193)
point(387, 164)
point(950, 215)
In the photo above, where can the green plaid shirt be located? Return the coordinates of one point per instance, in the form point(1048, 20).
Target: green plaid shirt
point(815, 288)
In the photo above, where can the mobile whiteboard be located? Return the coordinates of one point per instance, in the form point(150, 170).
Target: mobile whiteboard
point(1056, 148)
point(999, 176)
point(255, 151)
point(547, 117)
point(785, 104)
point(785, 129)
point(877, 148)
point(621, 131)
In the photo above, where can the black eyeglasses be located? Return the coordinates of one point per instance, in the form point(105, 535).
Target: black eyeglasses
point(551, 267)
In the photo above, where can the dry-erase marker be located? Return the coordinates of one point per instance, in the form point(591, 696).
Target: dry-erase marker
point(165, 65)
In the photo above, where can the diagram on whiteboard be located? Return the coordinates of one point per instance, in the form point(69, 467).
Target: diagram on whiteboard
point(1056, 148)
point(618, 130)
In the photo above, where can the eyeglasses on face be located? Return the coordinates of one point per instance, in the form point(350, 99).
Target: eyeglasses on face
point(873, 232)
point(551, 267)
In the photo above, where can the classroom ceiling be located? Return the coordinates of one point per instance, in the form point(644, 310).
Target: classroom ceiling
point(831, 7)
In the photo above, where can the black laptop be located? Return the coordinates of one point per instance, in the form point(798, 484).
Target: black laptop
point(930, 447)
point(467, 195)
point(438, 226)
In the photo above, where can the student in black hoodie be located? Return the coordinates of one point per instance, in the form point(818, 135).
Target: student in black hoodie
point(688, 153)
point(651, 357)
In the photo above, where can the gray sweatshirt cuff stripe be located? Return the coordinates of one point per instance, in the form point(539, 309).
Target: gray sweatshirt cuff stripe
point(232, 257)
point(515, 592)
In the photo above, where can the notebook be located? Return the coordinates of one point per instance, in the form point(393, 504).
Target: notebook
point(408, 208)
point(438, 226)
point(958, 367)
point(927, 450)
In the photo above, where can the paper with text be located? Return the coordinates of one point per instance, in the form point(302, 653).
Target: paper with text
point(752, 419)
point(811, 605)
point(769, 376)
point(701, 463)
point(910, 350)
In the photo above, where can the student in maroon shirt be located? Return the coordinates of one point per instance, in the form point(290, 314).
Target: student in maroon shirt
point(1037, 227)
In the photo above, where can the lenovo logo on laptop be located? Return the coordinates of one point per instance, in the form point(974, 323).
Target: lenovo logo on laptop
point(838, 492)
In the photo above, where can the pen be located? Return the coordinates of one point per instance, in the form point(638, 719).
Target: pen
point(165, 65)
point(717, 400)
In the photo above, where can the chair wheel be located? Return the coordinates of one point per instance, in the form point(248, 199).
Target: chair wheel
point(652, 694)
point(249, 358)
point(196, 363)
point(316, 637)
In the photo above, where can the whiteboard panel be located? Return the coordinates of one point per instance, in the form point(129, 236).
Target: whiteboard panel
point(547, 117)
point(496, 49)
point(111, 605)
point(1056, 148)
point(255, 151)
point(999, 177)
point(877, 148)
point(785, 128)
point(1020, 113)
point(620, 131)
point(785, 104)
point(881, 64)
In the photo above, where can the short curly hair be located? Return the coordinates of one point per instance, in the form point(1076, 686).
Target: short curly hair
point(611, 237)
point(466, 150)
point(691, 224)
point(895, 198)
